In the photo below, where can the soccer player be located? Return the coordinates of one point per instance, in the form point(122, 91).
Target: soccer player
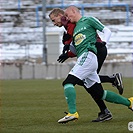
point(58, 18)
point(85, 69)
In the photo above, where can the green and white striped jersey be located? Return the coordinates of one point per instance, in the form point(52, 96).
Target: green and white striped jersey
point(85, 34)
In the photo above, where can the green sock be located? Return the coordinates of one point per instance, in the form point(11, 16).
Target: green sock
point(112, 97)
point(70, 96)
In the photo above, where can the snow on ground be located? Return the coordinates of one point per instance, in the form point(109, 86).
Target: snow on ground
point(35, 51)
point(14, 51)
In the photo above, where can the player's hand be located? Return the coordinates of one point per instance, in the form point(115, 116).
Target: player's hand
point(62, 58)
point(100, 44)
point(66, 48)
point(66, 37)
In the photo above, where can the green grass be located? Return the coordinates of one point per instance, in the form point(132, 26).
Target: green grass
point(34, 106)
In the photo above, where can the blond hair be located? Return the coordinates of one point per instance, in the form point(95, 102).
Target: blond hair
point(56, 12)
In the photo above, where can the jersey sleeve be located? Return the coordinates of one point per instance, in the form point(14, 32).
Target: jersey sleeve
point(70, 54)
point(94, 22)
point(70, 29)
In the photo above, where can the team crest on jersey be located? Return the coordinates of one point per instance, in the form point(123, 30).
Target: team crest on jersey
point(79, 38)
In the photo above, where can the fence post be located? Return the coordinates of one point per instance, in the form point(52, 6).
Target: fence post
point(37, 17)
point(19, 5)
point(127, 14)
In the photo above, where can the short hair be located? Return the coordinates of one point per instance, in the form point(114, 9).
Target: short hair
point(73, 7)
point(56, 11)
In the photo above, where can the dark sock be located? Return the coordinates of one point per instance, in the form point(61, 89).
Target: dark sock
point(105, 79)
point(96, 91)
point(101, 105)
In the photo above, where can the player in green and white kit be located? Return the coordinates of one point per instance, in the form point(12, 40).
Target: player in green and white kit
point(85, 34)
point(84, 38)
point(85, 69)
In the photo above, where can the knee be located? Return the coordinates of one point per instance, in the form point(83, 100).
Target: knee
point(72, 80)
point(66, 81)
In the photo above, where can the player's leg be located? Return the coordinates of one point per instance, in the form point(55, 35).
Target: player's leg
point(91, 80)
point(115, 79)
point(104, 114)
point(110, 96)
point(70, 95)
point(101, 56)
point(80, 70)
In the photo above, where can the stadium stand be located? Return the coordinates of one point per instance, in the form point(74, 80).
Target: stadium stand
point(19, 22)
point(21, 32)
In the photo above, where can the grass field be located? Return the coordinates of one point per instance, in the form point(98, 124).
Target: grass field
point(34, 106)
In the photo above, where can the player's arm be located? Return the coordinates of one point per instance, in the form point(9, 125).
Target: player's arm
point(95, 23)
point(99, 43)
point(107, 34)
point(70, 28)
point(98, 38)
point(67, 37)
point(65, 56)
point(70, 54)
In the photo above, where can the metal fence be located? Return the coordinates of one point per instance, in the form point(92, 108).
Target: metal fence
point(82, 6)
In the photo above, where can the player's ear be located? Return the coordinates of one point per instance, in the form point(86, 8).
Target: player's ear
point(73, 11)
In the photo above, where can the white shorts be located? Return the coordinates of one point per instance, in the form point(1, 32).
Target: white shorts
point(86, 69)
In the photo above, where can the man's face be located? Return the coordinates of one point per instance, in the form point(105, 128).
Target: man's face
point(70, 15)
point(56, 19)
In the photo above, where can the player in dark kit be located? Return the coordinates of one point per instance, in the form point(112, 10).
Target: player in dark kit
point(58, 18)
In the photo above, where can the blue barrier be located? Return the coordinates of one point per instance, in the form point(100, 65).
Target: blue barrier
point(19, 5)
point(82, 6)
